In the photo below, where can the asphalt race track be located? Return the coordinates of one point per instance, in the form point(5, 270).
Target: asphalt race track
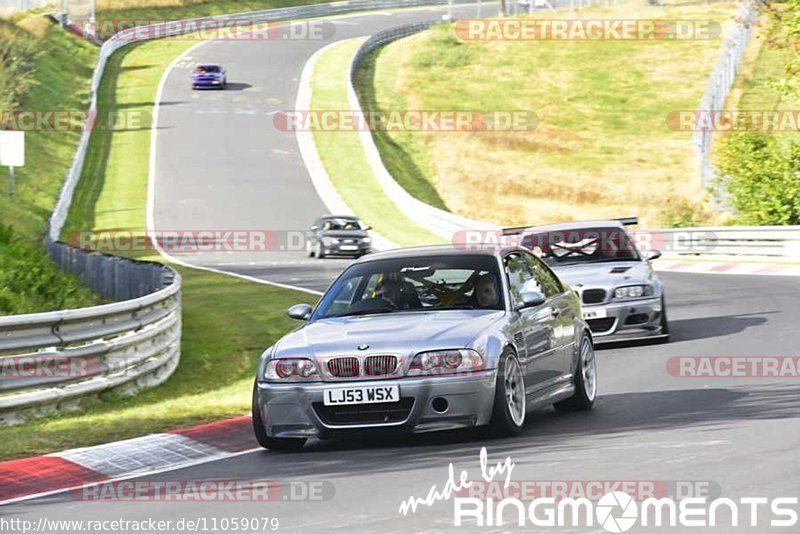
point(221, 161)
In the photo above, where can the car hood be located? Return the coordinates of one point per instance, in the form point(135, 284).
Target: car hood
point(605, 274)
point(401, 333)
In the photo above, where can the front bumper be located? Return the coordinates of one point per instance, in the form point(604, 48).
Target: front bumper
point(621, 321)
point(297, 410)
point(207, 83)
point(346, 249)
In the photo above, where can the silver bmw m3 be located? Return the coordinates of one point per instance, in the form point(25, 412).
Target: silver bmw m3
point(623, 299)
point(426, 339)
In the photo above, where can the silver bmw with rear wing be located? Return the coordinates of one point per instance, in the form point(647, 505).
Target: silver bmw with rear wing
point(426, 339)
point(622, 297)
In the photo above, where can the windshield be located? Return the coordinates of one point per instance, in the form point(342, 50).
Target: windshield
point(342, 224)
point(207, 68)
point(582, 246)
point(414, 284)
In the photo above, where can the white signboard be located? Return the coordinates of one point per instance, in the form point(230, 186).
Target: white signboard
point(12, 148)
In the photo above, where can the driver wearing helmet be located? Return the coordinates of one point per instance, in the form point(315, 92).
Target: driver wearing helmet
point(402, 295)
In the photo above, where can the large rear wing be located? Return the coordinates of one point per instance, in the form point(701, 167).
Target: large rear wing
point(516, 230)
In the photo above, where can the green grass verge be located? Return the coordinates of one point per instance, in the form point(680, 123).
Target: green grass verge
point(400, 151)
point(344, 159)
point(31, 283)
point(602, 146)
point(55, 78)
point(226, 322)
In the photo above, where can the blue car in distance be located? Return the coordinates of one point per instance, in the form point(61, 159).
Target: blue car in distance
point(209, 75)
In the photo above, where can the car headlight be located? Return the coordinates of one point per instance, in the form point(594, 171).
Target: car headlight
point(633, 292)
point(366, 240)
point(328, 241)
point(291, 370)
point(445, 362)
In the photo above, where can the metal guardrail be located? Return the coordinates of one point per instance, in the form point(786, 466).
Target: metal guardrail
point(112, 277)
point(721, 82)
point(49, 359)
point(771, 243)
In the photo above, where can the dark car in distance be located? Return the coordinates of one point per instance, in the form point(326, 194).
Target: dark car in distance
point(339, 235)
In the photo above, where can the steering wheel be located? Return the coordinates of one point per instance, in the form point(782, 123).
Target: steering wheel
point(373, 303)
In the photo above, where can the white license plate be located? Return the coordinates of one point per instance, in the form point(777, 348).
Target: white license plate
point(595, 314)
point(348, 247)
point(361, 395)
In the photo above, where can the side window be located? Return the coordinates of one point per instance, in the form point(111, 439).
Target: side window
point(547, 280)
point(371, 285)
point(519, 273)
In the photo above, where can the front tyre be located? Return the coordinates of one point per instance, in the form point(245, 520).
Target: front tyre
point(584, 379)
point(508, 414)
point(274, 444)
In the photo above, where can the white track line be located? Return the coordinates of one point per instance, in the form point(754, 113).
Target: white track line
point(308, 149)
point(305, 140)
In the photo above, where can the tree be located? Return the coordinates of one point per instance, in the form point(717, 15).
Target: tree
point(761, 175)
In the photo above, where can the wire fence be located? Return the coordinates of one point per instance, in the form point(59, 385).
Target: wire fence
point(721, 82)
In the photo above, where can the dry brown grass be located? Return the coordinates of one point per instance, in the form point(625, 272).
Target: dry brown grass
point(602, 147)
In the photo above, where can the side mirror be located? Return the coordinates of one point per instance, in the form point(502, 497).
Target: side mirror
point(301, 312)
point(367, 228)
point(530, 299)
point(652, 255)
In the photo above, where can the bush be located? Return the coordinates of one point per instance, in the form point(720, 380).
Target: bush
point(30, 282)
point(761, 177)
point(18, 55)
